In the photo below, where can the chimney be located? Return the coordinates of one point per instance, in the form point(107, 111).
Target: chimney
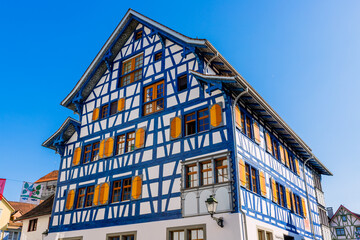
point(330, 212)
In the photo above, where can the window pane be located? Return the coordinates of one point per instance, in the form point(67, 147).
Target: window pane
point(247, 172)
point(182, 82)
point(248, 127)
point(203, 120)
point(127, 67)
point(87, 153)
point(190, 124)
point(221, 170)
point(116, 191)
point(254, 180)
point(191, 172)
point(130, 142)
point(105, 111)
point(138, 61)
point(126, 189)
point(113, 108)
point(95, 151)
point(120, 144)
point(207, 173)
point(89, 196)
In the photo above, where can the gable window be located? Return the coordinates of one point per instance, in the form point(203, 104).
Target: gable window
point(182, 82)
point(131, 70)
point(221, 170)
point(343, 218)
point(154, 98)
point(126, 191)
point(138, 35)
point(157, 56)
point(191, 176)
point(105, 111)
point(206, 173)
point(89, 196)
point(81, 198)
point(32, 225)
point(87, 153)
point(116, 191)
point(340, 231)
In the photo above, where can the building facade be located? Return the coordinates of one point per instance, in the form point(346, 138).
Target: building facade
point(345, 224)
point(48, 184)
point(165, 123)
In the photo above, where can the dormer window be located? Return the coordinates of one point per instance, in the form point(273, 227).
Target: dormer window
point(131, 70)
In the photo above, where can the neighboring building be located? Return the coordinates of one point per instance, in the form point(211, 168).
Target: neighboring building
point(36, 221)
point(159, 133)
point(10, 212)
point(345, 224)
point(48, 182)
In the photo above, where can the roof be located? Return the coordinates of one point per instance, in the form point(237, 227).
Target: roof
point(342, 206)
point(7, 203)
point(22, 207)
point(42, 209)
point(53, 176)
point(212, 58)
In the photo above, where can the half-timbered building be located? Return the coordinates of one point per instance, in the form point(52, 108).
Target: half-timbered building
point(345, 224)
point(165, 122)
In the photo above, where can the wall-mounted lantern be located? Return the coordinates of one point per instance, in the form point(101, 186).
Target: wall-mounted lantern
point(211, 205)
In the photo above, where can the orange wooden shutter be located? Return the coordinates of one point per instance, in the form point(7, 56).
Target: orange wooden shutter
point(95, 115)
point(242, 173)
point(70, 199)
point(136, 187)
point(140, 138)
point(175, 128)
point(274, 190)
point(268, 143)
point(102, 149)
point(109, 147)
point(104, 193)
point(96, 195)
point(238, 116)
point(216, 115)
point(77, 156)
point(304, 207)
point(297, 166)
point(262, 184)
point(282, 156)
point(256, 132)
point(287, 158)
point(121, 104)
point(288, 200)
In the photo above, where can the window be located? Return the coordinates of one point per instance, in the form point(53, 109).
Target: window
point(157, 56)
point(125, 143)
point(297, 204)
point(191, 176)
point(243, 122)
point(105, 111)
point(187, 233)
point(197, 122)
point(221, 170)
point(32, 225)
point(317, 181)
point(182, 82)
point(206, 173)
point(95, 151)
point(275, 149)
point(116, 190)
point(120, 142)
point(154, 98)
point(131, 70)
point(343, 218)
point(113, 108)
point(81, 198)
point(126, 191)
point(252, 178)
point(264, 235)
point(125, 236)
point(340, 231)
point(89, 196)
point(247, 171)
point(248, 127)
point(177, 235)
point(281, 194)
point(130, 142)
point(138, 35)
point(196, 234)
point(87, 153)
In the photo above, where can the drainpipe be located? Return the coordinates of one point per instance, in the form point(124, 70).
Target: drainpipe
point(209, 62)
point(236, 159)
point(307, 197)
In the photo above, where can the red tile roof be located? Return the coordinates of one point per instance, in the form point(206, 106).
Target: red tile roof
point(22, 207)
point(53, 176)
point(43, 209)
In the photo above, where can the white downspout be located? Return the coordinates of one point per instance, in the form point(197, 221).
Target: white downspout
point(236, 160)
point(307, 197)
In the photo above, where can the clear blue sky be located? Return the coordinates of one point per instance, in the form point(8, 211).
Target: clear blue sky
point(303, 57)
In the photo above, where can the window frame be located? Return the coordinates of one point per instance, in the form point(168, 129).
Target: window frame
point(249, 171)
point(78, 196)
point(197, 119)
point(156, 54)
point(136, 33)
point(178, 79)
point(341, 234)
point(89, 194)
point(153, 101)
point(226, 167)
point(125, 188)
point(132, 70)
point(120, 235)
point(117, 188)
point(186, 230)
point(32, 225)
point(208, 171)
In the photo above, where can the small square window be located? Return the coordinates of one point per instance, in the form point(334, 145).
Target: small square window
point(344, 219)
point(105, 111)
point(113, 108)
point(182, 82)
point(32, 225)
point(138, 35)
point(158, 56)
point(340, 231)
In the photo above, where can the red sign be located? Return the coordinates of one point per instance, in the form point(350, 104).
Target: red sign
point(2, 186)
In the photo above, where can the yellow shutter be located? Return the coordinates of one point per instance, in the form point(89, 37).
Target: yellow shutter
point(288, 199)
point(121, 104)
point(96, 195)
point(102, 148)
point(287, 158)
point(262, 184)
point(109, 147)
point(136, 187)
point(268, 143)
point(238, 116)
point(77, 156)
point(242, 173)
point(70, 199)
point(104, 193)
point(274, 190)
point(216, 115)
point(297, 167)
point(282, 156)
point(95, 115)
point(304, 207)
point(140, 138)
point(175, 127)
point(256, 132)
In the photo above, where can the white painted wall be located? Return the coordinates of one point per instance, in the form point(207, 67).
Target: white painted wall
point(42, 225)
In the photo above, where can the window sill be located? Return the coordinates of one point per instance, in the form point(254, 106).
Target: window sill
point(189, 189)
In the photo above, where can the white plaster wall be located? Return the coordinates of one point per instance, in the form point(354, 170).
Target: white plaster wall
point(42, 225)
point(157, 230)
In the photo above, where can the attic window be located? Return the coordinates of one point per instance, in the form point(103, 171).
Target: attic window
point(182, 83)
point(131, 70)
point(157, 56)
point(138, 35)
